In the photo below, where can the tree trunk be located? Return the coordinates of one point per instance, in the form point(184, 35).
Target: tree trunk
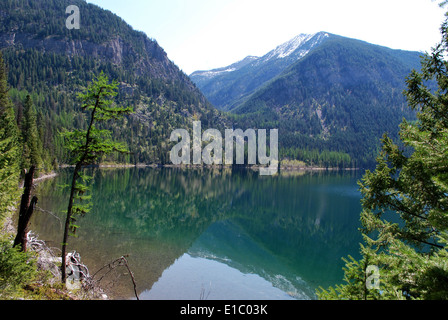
point(67, 224)
point(72, 191)
point(26, 211)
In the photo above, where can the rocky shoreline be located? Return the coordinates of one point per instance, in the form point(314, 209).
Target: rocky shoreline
point(47, 260)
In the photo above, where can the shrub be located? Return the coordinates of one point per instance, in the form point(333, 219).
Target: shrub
point(17, 269)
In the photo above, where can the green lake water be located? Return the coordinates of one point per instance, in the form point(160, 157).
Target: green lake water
point(211, 234)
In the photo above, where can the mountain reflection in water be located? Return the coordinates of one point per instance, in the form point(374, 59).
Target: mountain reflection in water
point(209, 233)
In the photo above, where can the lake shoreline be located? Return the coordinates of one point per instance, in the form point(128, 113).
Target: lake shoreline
point(9, 223)
point(202, 166)
point(229, 209)
point(45, 258)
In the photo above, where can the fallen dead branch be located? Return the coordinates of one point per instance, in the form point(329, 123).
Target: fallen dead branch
point(79, 278)
point(122, 261)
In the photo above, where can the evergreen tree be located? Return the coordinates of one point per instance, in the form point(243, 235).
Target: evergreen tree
point(30, 137)
point(405, 200)
point(9, 147)
point(87, 147)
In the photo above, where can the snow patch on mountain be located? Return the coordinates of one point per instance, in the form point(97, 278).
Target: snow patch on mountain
point(295, 49)
point(289, 47)
point(210, 74)
point(234, 67)
point(292, 47)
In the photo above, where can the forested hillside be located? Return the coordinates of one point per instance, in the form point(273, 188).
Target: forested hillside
point(51, 64)
point(333, 105)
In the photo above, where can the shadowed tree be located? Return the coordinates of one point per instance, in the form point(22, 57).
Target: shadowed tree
point(31, 155)
point(9, 147)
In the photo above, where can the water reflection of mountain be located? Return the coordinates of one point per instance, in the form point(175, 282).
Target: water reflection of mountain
point(281, 228)
point(227, 243)
point(287, 229)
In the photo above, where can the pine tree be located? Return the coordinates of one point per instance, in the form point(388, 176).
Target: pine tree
point(405, 200)
point(9, 147)
point(87, 147)
point(30, 136)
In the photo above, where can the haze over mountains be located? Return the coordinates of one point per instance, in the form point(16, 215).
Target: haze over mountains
point(331, 97)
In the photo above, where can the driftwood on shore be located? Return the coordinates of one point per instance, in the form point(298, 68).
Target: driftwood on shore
point(79, 280)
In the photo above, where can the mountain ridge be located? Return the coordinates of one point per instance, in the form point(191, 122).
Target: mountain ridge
point(329, 107)
point(341, 96)
point(52, 63)
point(226, 89)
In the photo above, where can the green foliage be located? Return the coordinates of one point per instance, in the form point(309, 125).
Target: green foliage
point(32, 148)
point(97, 25)
point(87, 147)
point(341, 97)
point(9, 148)
point(81, 201)
point(325, 158)
point(17, 268)
point(164, 98)
point(405, 200)
point(345, 133)
point(355, 279)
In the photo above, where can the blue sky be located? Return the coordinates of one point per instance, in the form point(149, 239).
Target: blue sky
point(207, 34)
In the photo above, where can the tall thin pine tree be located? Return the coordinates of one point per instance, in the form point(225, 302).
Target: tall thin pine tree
point(87, 147)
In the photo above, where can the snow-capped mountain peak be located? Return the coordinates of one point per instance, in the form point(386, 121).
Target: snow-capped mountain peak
point(287, 48)
point(292, 46)
point(226, 87)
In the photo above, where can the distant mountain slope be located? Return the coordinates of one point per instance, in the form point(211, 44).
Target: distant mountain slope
point(230, 86)
point(53, 63)
point(339, 64)
point(342, 96)
point(332, 98)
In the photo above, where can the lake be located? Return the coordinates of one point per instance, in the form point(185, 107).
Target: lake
point(216, 234)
